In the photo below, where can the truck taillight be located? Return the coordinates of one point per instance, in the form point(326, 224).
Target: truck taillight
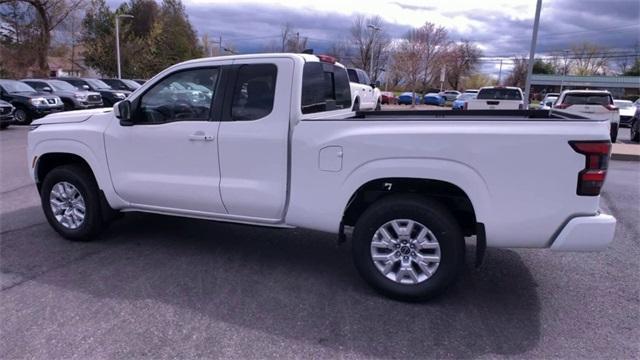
point(561, 106)
point(591, 178)
point(327, 59)
point(465, 106)
point(610, 107)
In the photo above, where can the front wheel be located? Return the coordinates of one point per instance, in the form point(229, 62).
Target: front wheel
point(408, 248)
point(21, 116)
point(71, 202)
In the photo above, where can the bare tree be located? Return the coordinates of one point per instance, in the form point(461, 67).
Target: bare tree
point(461, 60)
point(366, 40)
point(50, 14)
point(340, 50)
point(434, 42)
point(285, 33)
point(407, 59)
point(589, 59)
point(518, 74)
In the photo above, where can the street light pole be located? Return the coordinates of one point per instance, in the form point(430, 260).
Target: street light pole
point(373, 44)
point(532, 51)
point(118, 41)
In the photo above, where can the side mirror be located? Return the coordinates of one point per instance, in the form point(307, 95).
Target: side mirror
point(122, 110)
point(47, 89)
point(549, 103)
point(85, 87)
point(378, 83)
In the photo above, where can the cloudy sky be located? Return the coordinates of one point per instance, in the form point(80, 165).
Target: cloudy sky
point(502, 28)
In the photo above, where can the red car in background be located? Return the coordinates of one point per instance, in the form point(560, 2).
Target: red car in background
point(388, 98)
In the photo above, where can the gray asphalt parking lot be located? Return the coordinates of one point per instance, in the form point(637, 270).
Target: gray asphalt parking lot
point(160, 287)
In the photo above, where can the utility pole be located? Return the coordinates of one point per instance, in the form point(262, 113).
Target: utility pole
point(118, 40)
point(219, 42)
point(297, 42)
point(564, 72)
point(534, 39)
point(500, 73)
point(373, 45)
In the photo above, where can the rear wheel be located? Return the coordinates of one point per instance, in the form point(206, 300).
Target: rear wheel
point(635, 130)
point(356, 105)
point(408, 247)
point(71, 203)
point(614, 132)
point(378, 105)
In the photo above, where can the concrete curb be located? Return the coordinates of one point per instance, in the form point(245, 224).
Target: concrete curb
point(625, 157)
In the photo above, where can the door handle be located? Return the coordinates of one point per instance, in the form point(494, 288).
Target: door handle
point(200, 136)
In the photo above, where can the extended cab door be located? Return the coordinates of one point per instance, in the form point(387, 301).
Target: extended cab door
point(168, 158)
point(253, 138)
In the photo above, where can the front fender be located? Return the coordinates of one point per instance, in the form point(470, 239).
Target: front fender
point(96, 162)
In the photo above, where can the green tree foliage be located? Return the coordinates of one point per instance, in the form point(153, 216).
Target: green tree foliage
point(542, 67)
point(158, 36)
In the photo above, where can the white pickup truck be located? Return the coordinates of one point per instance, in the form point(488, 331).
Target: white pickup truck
point(365, 95)
point(497, 98)
point(278, 145)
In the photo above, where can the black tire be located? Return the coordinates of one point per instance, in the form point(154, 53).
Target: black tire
point(84, 181)
point(356, 105)
point(21, 116)
point(635, 131)
point(378, 106)
point(431, 214)
point(614, 132)
point(68, 105)
point(4, 126)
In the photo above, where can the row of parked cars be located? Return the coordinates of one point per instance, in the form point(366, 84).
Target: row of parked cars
point(22, 101)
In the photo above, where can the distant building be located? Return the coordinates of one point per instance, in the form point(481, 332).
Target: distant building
point(619, 86)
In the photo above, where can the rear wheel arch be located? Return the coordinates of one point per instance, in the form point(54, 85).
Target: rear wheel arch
point(451, 196)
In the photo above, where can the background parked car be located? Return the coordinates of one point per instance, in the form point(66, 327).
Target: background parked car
point(122, 84)
point(450, 95)
point(627, 111)
point(72, 97)
point(458, 104)
point(6, 114)
point(109, 95)
point(433, 99)
point(593, 104)
point(388, 98)
point(29, 103)
point(471, 91)
point(406, 98)
point(547, 102)
point(635, 126)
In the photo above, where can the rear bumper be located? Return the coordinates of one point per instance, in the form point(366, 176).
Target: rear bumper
point(586, 233)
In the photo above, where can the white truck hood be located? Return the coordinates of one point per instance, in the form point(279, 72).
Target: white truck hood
point(70, 116)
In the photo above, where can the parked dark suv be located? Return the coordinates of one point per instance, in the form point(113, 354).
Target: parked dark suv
point(109, 95)
point(6, 114)
point(122, 84)
point(72, 97)
point(29, 103)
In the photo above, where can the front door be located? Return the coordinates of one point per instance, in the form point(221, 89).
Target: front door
point(168, 158)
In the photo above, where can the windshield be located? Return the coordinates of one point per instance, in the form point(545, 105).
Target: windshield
point(134, 85)
point(62, 85)
point(467, 96)
point(12, 86)
point(97, 84)
point(622, 104)
point(499, 94)
point(588, 99)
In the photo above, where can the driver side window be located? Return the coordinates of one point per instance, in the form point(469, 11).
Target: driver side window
point(183, 96)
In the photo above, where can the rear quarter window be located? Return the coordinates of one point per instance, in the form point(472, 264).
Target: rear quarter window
point(325, 87)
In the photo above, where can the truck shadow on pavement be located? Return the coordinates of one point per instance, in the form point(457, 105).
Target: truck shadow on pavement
point(294, 284)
